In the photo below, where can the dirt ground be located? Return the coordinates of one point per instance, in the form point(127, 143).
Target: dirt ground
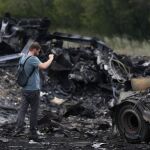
point(87, 127)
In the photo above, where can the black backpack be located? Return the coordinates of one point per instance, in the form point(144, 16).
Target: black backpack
point(22, 77)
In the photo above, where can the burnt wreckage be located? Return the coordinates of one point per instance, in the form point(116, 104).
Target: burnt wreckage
point(86, 61)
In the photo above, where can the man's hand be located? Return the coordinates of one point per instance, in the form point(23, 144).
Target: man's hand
point(46, 64)
point(51, 56)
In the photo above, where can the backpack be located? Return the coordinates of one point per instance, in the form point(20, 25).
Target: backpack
point(22, 77)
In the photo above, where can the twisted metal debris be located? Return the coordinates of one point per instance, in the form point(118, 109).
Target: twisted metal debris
point(88, 61)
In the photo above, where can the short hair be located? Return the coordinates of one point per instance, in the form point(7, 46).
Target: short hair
point(35, 45)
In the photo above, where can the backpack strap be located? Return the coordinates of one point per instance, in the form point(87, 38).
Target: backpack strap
point(31, 73)
point(24, 65)
point(26, 61)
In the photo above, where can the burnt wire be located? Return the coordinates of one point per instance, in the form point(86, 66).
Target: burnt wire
point(119, 65)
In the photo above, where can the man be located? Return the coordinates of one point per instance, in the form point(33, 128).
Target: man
point(31, 92)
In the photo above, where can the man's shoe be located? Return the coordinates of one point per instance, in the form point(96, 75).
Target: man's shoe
point(17, 131)
point(34, 136)
point(35, 139)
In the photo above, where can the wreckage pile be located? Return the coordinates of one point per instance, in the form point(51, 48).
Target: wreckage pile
point(79, 117)
point(85, 79)
point(62, 115)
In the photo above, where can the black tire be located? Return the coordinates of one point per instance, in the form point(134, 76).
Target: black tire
point(131, 124)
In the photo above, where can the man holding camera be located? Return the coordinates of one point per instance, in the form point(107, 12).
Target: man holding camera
point(31, 91)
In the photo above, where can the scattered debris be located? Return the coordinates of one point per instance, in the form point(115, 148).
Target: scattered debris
point(57, 101)
point(32, 142)
point(85, 85)
point(98, 145)
point(5, 140)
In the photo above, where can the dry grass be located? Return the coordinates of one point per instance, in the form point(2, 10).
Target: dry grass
point(119, 45)
point(129, 47)
point(124, 46)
